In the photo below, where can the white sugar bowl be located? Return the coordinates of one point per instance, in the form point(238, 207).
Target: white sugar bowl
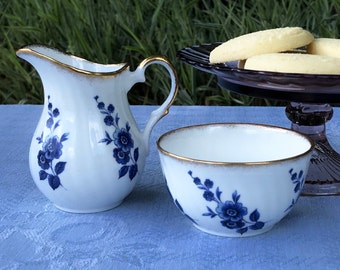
point(234, 179)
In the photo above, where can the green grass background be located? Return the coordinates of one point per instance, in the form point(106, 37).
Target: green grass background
point(114, 31)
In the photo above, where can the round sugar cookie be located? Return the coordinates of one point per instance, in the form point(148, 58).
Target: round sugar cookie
point(325, 46)
point(294, 63)
point(261, 42)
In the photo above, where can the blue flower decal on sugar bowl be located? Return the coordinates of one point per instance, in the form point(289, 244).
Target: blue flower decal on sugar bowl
point(51, 151)
point(232, 213)
point(298, 179)
point(124, 152)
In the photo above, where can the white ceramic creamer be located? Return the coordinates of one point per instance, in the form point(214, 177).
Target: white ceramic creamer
point(87, 152)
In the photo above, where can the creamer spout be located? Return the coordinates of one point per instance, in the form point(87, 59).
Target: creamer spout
point(36, 54)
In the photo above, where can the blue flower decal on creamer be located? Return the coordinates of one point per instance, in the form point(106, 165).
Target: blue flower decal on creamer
point(124, 152)
point(233, 214)
point(51, 150)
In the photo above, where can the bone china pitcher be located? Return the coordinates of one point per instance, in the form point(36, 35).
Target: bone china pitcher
point(87, 152)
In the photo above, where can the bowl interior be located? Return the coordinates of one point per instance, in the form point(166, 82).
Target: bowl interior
point(234, 143)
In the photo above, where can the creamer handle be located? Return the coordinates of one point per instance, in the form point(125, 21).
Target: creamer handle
point(163, 110)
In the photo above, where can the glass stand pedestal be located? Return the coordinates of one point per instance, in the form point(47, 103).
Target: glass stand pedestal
point(323, 177)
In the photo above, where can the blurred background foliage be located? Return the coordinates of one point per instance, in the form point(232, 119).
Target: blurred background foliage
point(110, 31)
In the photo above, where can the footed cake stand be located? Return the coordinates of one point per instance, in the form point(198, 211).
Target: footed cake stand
point(309, 97)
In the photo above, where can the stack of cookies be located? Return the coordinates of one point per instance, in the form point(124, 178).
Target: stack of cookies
point(279, 50)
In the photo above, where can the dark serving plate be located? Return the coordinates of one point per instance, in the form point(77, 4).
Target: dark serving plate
point(272, 85)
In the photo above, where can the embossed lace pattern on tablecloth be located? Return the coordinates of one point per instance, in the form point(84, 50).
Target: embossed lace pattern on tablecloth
point(147, 231)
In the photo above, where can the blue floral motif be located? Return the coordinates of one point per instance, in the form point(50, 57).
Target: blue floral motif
point(231, 213)
point(297, 180)
point(51, 150)
point(179, 206)
point(124, 152)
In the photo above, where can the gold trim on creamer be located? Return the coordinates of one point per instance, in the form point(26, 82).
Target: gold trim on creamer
point(79, 70)
point(226, 163)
